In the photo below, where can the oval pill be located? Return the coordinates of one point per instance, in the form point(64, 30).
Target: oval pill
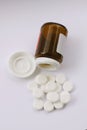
point(48, 106)
point(41, 79)
point(58, 105)
point(68, 86)
point(50, 86)
point(65, 97)
point(38, 93)
point(60, 78)
point(38, 104)
point(53, 96)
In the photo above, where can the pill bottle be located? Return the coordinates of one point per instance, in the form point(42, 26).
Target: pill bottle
point(49, 47)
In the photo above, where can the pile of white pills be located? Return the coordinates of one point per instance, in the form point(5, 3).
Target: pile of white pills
point(50, 92)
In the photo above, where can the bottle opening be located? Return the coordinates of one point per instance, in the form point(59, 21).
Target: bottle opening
point(47, 63)
point(47, 66)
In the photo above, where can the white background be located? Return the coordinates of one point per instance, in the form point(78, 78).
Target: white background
point(20, 23)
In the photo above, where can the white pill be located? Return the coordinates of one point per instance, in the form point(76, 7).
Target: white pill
point(38, 104)
point(60, 78)
point(38, 93)
point(50, 86)
point(32, 85)
point(52, 96)
point(65, 97)
point(59, 88)
point(68, 86)
point(48, 106)
point(51, 77)
point(58, 105)
point(41, 79)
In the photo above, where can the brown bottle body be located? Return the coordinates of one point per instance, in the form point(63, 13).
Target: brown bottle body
point(48, 41)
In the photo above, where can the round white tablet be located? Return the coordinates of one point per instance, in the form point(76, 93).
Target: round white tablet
point(38, 104)
point(50, 86)
point(38, 93)
point(68, 86)
point(51, 77)
point(41, 79)
point(60, 78)
point(53, 96)
point(59, 88)
point(32, 85)
point(65, 97)
point(58, 105)
point(48, 106)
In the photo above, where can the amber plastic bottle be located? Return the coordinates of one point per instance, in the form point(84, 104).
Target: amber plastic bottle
point(49, 48)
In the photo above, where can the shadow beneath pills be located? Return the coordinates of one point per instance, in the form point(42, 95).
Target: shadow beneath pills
point(72, 54)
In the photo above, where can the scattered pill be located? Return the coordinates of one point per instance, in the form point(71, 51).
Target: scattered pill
point(38, 93)
point(65, 97)
point(60, 78)
point(68, 86)
point(38, 104)
point(41, 79)
point(53, 96)
point(48, 106)
point(58, 105)
point(50, 86)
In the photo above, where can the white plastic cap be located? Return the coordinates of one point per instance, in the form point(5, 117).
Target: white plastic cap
point(22, 64)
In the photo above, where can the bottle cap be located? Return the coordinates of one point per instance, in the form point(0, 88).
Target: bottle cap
point(22, 64)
